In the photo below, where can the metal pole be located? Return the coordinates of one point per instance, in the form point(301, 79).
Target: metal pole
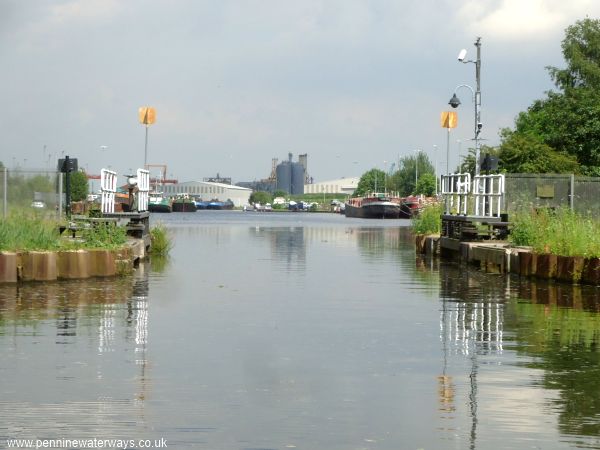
point(477, 104)
point(416, 170)
point(5, 206)
point(146, 150)
point(436, 168)
point(572, 196)
point(68, 186)
point(448, 153)
point(60, 194)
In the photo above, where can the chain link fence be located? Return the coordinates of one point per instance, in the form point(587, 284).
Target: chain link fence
point(31, 190)
point(582, 194)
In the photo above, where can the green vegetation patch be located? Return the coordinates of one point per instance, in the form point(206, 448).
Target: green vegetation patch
point(28, 231)
point(429, 220)
point(557, 231)
point(104, 236)
point(161, 241)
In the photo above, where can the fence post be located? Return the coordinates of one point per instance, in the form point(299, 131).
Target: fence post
point(572, 193)
point(60, 194)
point(5, 201)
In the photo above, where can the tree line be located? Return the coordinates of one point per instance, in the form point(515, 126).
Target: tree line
point(559, 133)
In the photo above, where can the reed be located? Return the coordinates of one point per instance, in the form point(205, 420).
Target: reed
point(559, 231)
point(429, 220)
point(103, 236)
point(23, 232)
point(28, 231)
point(161, 241)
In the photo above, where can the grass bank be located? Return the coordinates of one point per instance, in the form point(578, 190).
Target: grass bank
point(27, 232)
point(560, 232)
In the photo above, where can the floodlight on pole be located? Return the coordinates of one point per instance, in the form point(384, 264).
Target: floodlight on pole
point(455, 102)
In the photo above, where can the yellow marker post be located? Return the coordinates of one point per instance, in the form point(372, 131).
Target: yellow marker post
point(449, 119)
point(147, 116)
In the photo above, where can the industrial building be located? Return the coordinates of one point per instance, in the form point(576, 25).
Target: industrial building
point(287, 176)
point(345, 186)
point(291, 176)
point(208, 191)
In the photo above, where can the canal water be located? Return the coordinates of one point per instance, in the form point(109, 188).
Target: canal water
point(300, 331)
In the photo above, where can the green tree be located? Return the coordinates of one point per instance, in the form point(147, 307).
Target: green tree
point(21, 189)
point(372, 181)
point(468, 163)
point(581, 50)
point(524, 153)
point(426, 185)
point(79, 186)
point(261, 197)
point(567, 121)
point(280, 193)
point(404, 181)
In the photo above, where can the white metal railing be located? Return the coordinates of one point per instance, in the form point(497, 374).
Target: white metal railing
point(143, 182)
point(455, 192)
point(488, 192)
point(108, 188)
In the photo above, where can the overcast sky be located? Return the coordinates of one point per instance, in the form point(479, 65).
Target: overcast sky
point(354, 84)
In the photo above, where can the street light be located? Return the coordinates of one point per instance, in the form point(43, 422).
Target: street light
point(417, 151)
point(455, 102)
point(385, 176)
point(436, 168)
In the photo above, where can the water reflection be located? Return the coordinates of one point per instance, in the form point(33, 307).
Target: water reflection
point(565, 346)
point(375, 242)
point(287, 245)
point(97, 374)
point(554, 329)
point(471, 327)
point(229, 348)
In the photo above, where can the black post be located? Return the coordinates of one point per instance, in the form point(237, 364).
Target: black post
point(68, 187)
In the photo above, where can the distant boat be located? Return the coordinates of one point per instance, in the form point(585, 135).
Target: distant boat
point(267, 207)
point(158, 203)
point(183, 203)
point(218, 204)
point(201, 204)
point(373, 206)
point(409, 207)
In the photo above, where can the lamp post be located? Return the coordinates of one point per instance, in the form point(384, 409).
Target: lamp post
point(435, 149)
point(455, 102)
point(417, 151)
point(385, 176)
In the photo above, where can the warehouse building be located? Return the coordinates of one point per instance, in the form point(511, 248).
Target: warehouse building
point(345, 186)
point(205, 190)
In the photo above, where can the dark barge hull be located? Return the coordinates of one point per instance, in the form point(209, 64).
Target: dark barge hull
point(373, 211)
point(183, 207)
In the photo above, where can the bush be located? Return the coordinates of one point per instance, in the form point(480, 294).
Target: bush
point(429, 220)
point(101, 235)
point(161, 242)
